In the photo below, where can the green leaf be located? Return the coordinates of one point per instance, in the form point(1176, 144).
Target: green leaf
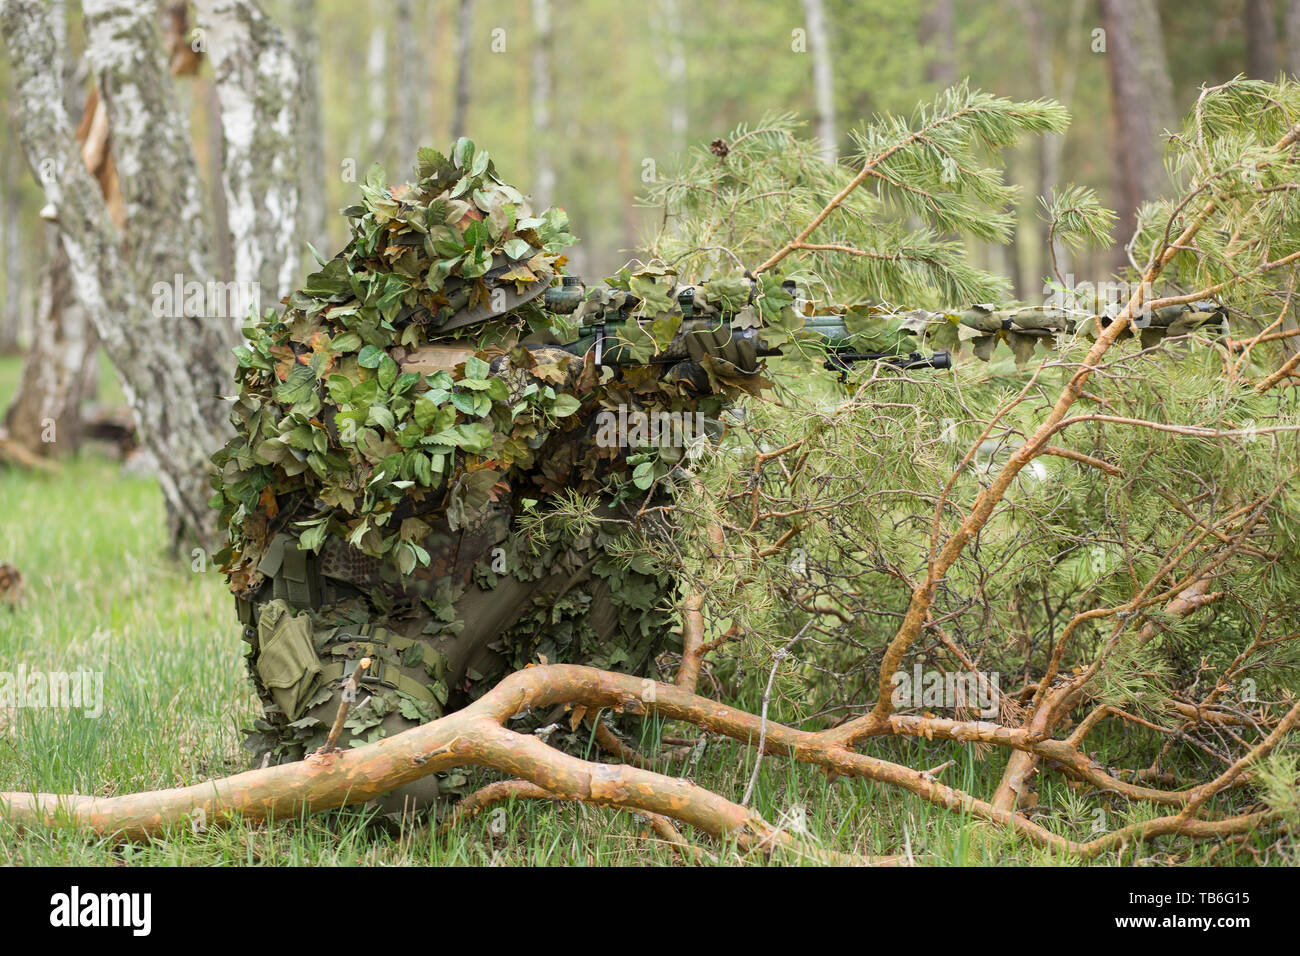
point(314, 536)
point(340, 388)
point(475, 438)
point(517, 249)
point(565, 405)
point(463, 152)
point(497, 390)
point(424, 412)
point(271, 450)
point(346, 342)
point(298, 387)
point(469, 403)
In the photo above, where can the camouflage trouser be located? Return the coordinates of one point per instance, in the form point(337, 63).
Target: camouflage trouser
point(439, 637)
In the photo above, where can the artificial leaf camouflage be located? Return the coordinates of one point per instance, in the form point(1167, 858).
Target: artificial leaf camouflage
point(394, 422)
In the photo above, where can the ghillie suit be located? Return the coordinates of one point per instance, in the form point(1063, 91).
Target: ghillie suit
point(395, 423)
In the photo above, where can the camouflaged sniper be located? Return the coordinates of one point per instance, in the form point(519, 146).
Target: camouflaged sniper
point(391, 427)
point(422, 391)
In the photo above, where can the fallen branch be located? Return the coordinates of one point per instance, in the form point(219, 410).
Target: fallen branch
point(476, 736)
point(506, 790)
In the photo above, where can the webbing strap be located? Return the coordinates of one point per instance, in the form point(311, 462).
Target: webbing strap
point(389, 676)
point(381, 671)
point(292, 572)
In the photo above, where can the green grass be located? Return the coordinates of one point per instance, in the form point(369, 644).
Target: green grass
point(101, 594)
point(110, 392)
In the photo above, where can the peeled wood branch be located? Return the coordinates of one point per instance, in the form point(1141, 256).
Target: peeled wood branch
point(1083, 459)
point(476, 736)
point(503, 791)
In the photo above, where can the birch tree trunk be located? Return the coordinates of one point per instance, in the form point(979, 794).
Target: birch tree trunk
point(407, 73)
point(543, 93)
point(60, 371)
point(11, 309)
point(377, 74)
point(257, 84)
point(311, 128)
point(464, 31)
point(173, 366)
point(45, 416)
point(672, 63)
point(223, 257)
point(823, 80)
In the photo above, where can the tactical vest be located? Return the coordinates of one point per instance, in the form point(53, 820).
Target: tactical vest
point(437, 637)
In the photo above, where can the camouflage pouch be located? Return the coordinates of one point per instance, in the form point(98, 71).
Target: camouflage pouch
point(720, 343)
point(287, 662)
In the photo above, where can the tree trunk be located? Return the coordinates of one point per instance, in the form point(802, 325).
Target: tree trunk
point(464, 31)
point(543, 191)
point(1141, 103)
point(11, 307)
point(1291, 28)
point(377, 73)
point(671, 50)
point(173, 366)
point(939, 34)
point(312, 200)
point(257, 84)
point(1051, 146)
point(60, 368)
point(823, 82)
point(407, 75)
point(1261, 40)
point(58, 373)
point(223, 257)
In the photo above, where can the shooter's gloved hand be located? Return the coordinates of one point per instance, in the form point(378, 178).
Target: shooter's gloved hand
point(720, 342)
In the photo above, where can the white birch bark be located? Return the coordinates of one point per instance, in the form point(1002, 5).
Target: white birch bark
point(311, 128)
point(258, 86)
point(45, 416)
point(173, 367)
point(823, 77)
point(377, 73)
point(543, 93)
point(407, 75)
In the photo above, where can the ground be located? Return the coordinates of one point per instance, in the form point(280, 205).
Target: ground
point(101, 593)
